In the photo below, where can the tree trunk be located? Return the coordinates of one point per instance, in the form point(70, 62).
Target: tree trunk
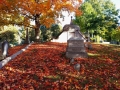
point(27, 41)
point(37, 28)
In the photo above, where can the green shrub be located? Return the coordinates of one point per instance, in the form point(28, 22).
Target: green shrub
point(49, 33)
point(10, 33)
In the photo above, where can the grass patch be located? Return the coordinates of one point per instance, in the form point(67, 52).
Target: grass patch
point(93, 55)
point(53, 78)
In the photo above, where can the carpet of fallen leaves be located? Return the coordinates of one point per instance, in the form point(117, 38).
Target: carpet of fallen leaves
point(13, 50)
point(45, 67)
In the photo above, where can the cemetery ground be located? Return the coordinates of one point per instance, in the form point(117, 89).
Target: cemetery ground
point(45, 67)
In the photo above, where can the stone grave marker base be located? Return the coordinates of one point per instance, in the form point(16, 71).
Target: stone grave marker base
point(76, 55)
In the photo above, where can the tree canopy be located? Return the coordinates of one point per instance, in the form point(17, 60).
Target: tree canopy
point(43, 12)
point(99, 17)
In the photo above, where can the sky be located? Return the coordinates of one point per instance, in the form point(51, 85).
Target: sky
point(117, 3)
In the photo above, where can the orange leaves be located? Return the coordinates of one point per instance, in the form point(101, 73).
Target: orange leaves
point(48, 22)
point(64, 0)
point(46, 9)
point(1, 2)
point(34, 7)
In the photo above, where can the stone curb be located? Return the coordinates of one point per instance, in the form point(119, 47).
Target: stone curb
point(5, 61)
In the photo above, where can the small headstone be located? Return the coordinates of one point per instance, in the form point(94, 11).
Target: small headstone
point(88, 43)
point(4, 50)
point(77, 67)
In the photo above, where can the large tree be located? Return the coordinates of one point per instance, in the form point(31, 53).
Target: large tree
point(99, 16)
point(43, 12)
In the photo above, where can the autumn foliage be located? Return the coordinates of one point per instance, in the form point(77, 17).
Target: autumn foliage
point(45, 67)
point(42, 12)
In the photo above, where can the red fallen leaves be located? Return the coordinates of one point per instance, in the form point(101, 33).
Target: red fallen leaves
point(13, 50)
point(45, 67)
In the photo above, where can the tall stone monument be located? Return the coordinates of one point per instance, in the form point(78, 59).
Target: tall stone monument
point(75, 45)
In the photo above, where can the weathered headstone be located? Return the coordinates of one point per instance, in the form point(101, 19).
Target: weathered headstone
point(4, 49)
point(88, 43)
point(75, 44)
point(76, 48)
point(77, 67)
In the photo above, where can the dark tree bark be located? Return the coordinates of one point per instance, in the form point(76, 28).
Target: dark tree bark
point(37, 28)
point(27, 41)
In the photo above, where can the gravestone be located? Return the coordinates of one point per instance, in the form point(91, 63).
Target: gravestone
point(4, 49)
point(77, 67)
point(75, 45)
point(76, 48)
point(88, 43)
